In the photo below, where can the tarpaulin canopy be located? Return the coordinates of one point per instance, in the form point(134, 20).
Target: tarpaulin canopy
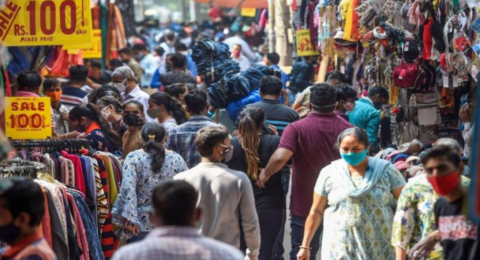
point(236, 3)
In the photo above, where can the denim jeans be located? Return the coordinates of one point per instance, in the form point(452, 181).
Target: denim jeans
point(285, 179)
point(298, 224)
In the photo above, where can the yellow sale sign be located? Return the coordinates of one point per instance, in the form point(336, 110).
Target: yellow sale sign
point(304, 44)
point(28, 118)
point(248, 12)
point(45, 22)
point(92, 50)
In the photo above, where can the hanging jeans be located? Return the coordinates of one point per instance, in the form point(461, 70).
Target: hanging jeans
point(298, 224)
point(272, 228)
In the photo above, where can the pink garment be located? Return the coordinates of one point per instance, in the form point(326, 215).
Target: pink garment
point(65, 170)
point(79, 179)
point(414, 16)
point(46, 224)
point(81, 234)
point(263, 19)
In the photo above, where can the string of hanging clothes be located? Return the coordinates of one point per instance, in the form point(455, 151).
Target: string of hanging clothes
point(80, 188)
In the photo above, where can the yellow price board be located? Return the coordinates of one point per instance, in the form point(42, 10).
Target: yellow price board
point(28, 118)
point(45, 22)
point(248, 12)
point(92, 50)
point(304, 44)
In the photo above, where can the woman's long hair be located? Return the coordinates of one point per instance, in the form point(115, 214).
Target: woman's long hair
point(250, 125)
point(153, 135)
point(171, 105)
point(91, 112)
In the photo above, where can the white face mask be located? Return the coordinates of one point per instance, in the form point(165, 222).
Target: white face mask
point(120, 86)
point(105, 113)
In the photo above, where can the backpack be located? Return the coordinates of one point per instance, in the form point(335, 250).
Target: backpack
point(409, 75)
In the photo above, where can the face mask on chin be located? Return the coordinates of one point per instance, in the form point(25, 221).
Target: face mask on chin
point(227, 153)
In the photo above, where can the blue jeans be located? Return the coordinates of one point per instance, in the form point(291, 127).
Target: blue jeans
point(297, 225)
point(285, 179)
point(138, 237)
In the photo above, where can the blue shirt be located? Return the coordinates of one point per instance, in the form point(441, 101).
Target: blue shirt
point(284, 75)
point(181, 139)
point(156, 83)
point(366, 117)
point(191, 66)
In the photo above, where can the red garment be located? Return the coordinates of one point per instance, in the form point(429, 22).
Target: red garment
point(92, 127)
point(354, 34)
point(311, 24)
point(79, 175)
point(33, 245)
point(427, 39)
point(214, 14)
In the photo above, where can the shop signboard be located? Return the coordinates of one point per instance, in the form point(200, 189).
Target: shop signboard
point(45, 22)
point(92, 50)
point(248, 12)
point(304, 44)
point(28, 118)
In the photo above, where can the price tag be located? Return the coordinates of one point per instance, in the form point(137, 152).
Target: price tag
point(45, 22)
point(28, 118)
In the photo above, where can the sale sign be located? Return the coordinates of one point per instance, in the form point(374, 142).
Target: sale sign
point(93, 50)
point(45, 22)
point(28, 118)
point(304, 45)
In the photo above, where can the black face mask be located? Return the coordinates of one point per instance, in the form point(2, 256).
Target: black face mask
point(132, 120)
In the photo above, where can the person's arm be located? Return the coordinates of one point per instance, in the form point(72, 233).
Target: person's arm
point(250, 225)
point(151, 67)
point(247, 51)
point(423, 249)
point(275, 164)
point(314, 219)
point(404, 222)
point(285, 98)
point(373, 125)
point(467, 133)
point(301, 99)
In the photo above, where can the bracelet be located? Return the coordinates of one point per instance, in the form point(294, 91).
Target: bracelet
point(305, 247)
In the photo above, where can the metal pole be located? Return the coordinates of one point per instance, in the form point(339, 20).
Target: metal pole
point(271, 22)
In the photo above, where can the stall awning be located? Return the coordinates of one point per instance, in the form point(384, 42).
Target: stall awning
point(236, 3)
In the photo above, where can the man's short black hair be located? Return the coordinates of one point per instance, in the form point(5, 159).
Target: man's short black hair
point(24, 196)
point(273, 57)
point(49, 83)
point(180, 47)
point(344, 92)
point(444, 152)
point(196, 101)
point(178, 60)
point(336, 75)
point(174, 202)
point(125, 50)
point(323, 97)
point(170, 36)
point(78, 73)
point(373, 91)
point(140, 47)
point(95, 64)
point(29, 81)
point(271, 85)
point(159, 51)
point(115, 63)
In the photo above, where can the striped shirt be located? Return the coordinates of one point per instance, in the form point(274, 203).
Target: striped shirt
point(178, 243)
point(182, 139)
point(72, 97)
point(277, 114)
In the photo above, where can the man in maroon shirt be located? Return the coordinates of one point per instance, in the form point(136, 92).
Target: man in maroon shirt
point(310, 143)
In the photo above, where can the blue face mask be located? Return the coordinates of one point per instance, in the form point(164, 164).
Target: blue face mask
point(354, 159)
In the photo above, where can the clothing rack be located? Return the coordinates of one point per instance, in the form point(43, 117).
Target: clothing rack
point(72, 145)
point(20, 168)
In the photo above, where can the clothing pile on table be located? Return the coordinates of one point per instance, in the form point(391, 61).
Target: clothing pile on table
point(92, 180)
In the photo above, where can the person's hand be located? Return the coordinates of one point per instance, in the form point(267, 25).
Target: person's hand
point(303, 254)
point(65, 116)
point(134, 229)
point(273, 129)
point(423, 249)
point(262, 179)
point(465, 115)
point(92, 84)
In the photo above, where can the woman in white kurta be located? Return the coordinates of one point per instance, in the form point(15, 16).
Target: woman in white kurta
point(355, 198)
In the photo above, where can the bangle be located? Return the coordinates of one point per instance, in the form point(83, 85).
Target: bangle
point(305, 247)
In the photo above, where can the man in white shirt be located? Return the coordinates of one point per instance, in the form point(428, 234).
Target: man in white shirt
point(123, 79)
point(148, 63)
point(223, 193)
point(237, 39)
point(176, 237)
point(237, 56)
point(169, 44)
